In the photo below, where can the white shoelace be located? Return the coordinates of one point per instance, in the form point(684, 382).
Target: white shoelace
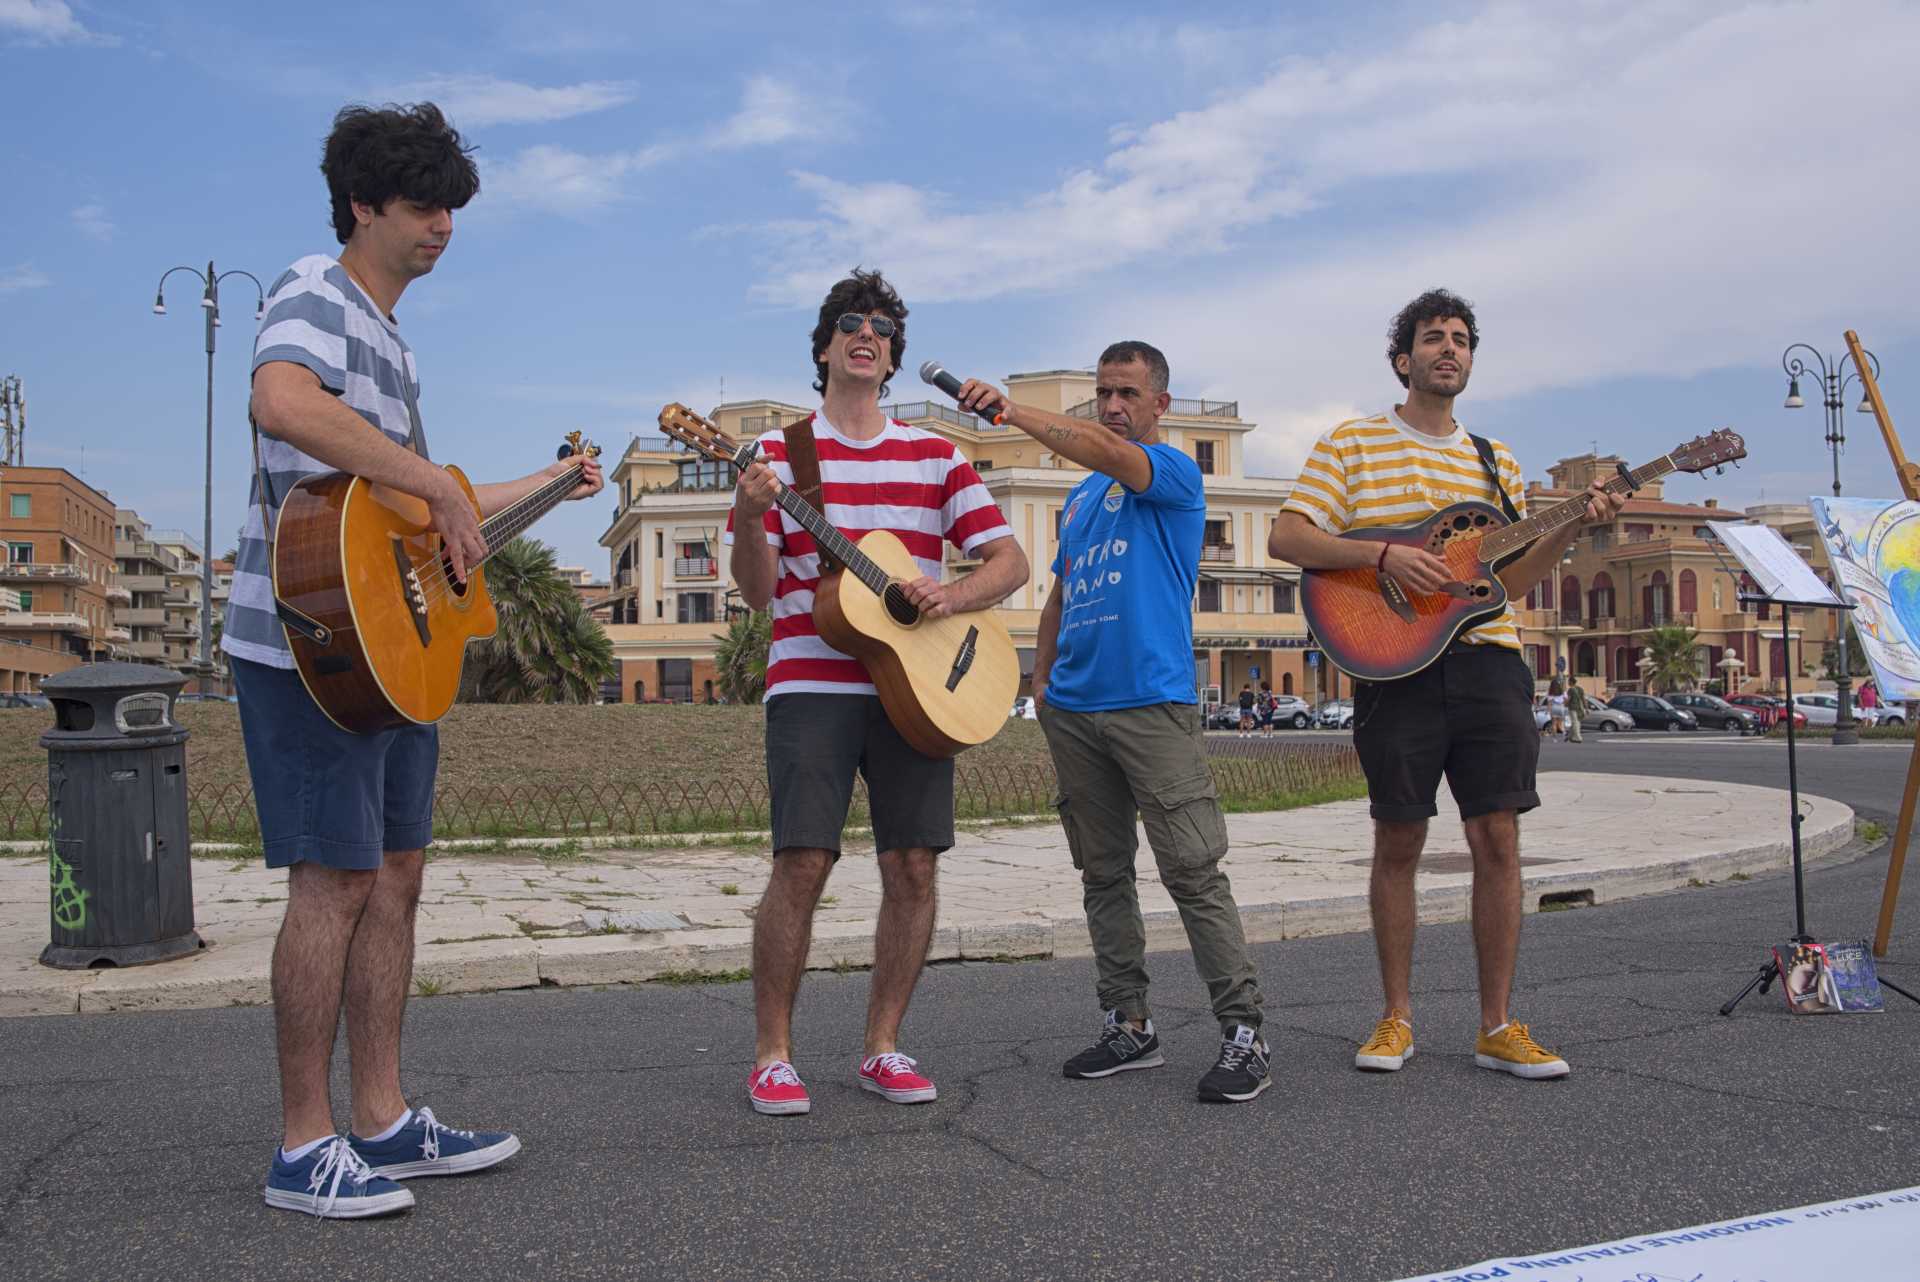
point(891, 1062)
point(778, 1073)
point(337, 1159)
point(430, 1144)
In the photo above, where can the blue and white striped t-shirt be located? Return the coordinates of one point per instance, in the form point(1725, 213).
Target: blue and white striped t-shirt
point(318, 317)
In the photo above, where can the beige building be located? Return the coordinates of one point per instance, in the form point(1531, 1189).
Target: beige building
point(161, 570)
point(671, 590)
point(1654, 566)
point(58, 580)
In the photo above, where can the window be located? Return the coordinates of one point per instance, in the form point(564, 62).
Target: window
point(26, 602)
point(1056, 525)
point(659, 543)
point(659, 609)
point(706, 474)
point(19, 554)
point(19, 505)
point(1209, 597)
point(1283, 599)
point(1203, 455)
point(1689, 592)
point(695, 607)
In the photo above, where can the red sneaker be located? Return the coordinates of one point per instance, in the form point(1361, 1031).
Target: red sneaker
point(892, 1075)
point(777, 1090)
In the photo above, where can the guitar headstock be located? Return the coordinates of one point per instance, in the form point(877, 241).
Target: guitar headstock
point(578, 444)
point(1715, 449)
point(690, 429)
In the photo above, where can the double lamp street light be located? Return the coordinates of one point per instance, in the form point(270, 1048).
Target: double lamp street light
point(210, 303)
point(1834, 380)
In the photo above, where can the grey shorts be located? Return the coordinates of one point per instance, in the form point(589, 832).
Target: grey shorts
point(815, 745)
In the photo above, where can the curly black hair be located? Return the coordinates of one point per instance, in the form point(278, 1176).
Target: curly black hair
point(1435, 304)
point(375, 155)
point(866, 293)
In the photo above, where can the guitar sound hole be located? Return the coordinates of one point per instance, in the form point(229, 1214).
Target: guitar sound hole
point(1459, 522)
point(1479, 518)
point(904, 612)
point(459, 588)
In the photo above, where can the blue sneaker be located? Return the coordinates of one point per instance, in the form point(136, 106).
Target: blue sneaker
point(333, 1183)
point(424, 1147)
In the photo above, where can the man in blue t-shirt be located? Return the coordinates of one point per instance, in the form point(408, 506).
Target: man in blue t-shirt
point(1113, 677)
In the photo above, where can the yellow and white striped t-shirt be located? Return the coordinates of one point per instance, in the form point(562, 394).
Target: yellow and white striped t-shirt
point(1378, 471)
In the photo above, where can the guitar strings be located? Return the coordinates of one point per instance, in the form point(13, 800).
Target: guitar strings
point(435, 577)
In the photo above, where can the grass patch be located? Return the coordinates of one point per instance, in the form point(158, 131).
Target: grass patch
point(468, 939)
point(428, 987)
point(729, 888)
point(685, 977)
point(1869, 831)
point(1739, 876)
point(829, 901)
point(1292, 799)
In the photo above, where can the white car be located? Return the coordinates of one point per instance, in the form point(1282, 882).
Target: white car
point(1824, 710)
point(1336, 714)
point(1024, 709)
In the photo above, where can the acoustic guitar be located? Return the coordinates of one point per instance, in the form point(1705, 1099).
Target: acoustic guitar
point(377, 624)
point(1371, 627)
point(946, 684)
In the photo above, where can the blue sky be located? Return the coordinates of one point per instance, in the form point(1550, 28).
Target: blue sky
point(1646, 201)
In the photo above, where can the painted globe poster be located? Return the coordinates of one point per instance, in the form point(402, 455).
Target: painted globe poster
point(1874, 545)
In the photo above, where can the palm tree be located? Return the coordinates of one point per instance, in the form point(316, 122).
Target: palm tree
point(1675, 665)
point(548, 649)
point(740, 659)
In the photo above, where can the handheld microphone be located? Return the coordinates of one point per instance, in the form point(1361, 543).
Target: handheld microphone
point(935, 373)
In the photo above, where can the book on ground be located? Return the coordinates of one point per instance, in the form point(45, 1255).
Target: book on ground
point(1856, 985)
point(1805, 979)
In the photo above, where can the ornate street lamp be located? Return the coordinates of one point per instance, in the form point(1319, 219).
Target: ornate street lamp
point(1834, 379)
point(210, 303)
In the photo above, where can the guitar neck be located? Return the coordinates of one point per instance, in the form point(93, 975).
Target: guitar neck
point(508, 524)
point(832, 542)
point(1513, 538)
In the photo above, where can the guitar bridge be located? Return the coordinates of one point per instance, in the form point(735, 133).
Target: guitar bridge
point(1395, 596)
point(963, 658)
point(411, 591)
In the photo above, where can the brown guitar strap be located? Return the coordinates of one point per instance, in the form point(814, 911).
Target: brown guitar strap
point(803, 456)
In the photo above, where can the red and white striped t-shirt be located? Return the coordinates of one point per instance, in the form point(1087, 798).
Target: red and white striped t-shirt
point(912, 483)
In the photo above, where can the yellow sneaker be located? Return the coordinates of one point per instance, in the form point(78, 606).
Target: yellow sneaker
point(1390, 1046)
point(1510, 1048)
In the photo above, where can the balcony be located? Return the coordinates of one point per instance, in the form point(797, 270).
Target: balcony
point(126, 550)
point(1182, 406)
point(41, 572)
point(144, 582)
point(45, 620)
point(155, 650)
point(116, 635)
point(1570, 619)
point(695, 567)
point(119, 593)
point(1219, 553)
point(911, 411)
point(181, 629)
point(140, 618)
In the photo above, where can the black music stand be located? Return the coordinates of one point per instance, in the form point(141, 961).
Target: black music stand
point(1786, 582)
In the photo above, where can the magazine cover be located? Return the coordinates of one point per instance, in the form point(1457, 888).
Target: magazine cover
point(1856, 985)
point(1804, 979)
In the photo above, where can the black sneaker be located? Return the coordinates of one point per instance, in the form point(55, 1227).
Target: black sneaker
point(1241, 1072)
point(1118, 1049)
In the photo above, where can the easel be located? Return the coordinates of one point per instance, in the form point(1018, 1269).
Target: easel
point(1909, 474)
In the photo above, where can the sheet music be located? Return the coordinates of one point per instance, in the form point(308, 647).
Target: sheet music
point(1776, 568)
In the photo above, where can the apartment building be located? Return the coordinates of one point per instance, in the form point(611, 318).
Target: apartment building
point(57, 582)
point(671, 592)
point(163, 616)
point(1654, 566)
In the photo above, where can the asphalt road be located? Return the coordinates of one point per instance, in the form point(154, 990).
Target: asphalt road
point(132, 1146)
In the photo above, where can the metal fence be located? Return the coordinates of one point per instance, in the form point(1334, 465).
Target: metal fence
point(224, 812)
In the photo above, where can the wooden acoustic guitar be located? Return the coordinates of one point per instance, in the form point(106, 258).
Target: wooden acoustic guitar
point(946, 684)
point(1372, 628)
point(377, 624)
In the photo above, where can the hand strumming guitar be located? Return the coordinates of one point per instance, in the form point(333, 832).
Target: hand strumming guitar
point(1416, 569)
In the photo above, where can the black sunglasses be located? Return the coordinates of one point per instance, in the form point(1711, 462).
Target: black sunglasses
point(850, 323)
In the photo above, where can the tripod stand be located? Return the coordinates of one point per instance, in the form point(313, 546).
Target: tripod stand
point(1768, 972)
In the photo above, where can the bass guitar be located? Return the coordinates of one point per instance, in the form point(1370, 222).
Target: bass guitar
point(377, 623)
point(946, 684)
point(1371, 627)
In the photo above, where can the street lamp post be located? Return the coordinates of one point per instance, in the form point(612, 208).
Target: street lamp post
point(1834, 378)
point(210, 303)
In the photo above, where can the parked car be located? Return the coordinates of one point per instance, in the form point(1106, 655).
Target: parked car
point(1335, 714)
point(1541, 714)
point(1024, 709)
point(1651, 712)
point(1824, 710)
point(25, 701)
point(1292, 710)
point(1715, 713)
point(1604, 719)
point(1223, 716)
point(1767, 709)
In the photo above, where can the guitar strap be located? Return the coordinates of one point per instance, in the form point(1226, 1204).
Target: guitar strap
point(1485, 448)
point(803, 456)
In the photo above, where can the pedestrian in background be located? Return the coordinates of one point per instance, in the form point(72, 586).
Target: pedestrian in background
point(1577, 705)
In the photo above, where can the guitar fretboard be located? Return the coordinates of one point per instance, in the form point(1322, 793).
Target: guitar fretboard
point(1521, 533)
point(832, 542)
point(510, 522)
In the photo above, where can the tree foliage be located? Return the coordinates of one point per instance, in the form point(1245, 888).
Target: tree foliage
point(1676, 663)
point(548, 649)
point(740, 659)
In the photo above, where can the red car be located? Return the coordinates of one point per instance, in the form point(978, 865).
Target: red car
point(1767, 708)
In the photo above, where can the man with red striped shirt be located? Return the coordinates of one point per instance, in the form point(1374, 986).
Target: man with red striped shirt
point(824, 719)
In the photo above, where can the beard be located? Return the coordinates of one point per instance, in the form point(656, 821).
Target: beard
point(1425, 381)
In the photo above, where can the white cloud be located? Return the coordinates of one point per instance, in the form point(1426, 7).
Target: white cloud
point(475, 101)
point(47, 22)
point(23, 276)
point(92, 220)
point(1624, 190)
point(556, 180)
point(770, 112)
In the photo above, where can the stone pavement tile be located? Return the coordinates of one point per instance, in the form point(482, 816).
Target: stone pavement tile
point(1007, 939)
point(39, 990)
point(477, 966)
point(633, 959)
point(219, 975)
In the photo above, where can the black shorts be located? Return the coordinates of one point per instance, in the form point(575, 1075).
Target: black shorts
point(815, 744)
point(1469, 716)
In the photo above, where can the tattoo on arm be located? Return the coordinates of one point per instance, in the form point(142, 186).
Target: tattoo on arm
point(1057, 433)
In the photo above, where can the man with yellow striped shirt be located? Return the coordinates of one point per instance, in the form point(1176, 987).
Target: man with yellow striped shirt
point(1468, 715)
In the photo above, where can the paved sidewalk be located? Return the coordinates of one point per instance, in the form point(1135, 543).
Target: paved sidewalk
point(517, 920)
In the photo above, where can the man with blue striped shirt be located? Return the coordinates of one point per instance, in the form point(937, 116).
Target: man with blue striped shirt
point(348, 815)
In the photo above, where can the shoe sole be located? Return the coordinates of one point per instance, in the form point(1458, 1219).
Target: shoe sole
point(1222, 1097)
point(457, 1164)
point(1146, 1061)
point(912, 1095)
point(781, 1108)
point(1382, 1063)
point(347, 1208)
point(1533, 1072)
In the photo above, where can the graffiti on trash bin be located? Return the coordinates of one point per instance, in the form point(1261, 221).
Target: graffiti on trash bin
point(69, 901)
